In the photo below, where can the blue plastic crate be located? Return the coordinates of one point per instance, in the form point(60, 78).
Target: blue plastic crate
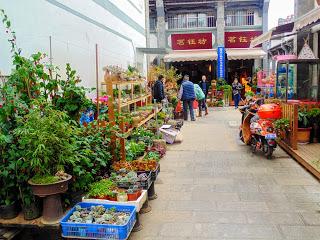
point(98, 231)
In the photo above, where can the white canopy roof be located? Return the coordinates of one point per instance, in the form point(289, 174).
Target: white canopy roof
point(308, 18)
point(245, 53)
point(191, 55)
point(211, 54)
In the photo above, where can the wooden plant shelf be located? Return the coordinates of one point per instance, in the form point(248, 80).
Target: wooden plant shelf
point(135, 100)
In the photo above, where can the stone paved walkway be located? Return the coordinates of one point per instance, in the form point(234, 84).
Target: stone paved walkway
point(212, 187)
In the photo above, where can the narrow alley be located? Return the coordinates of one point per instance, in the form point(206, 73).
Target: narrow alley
point(212, 187)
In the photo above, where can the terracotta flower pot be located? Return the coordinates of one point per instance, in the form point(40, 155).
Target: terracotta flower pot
point(52, 208)
point(303, 135)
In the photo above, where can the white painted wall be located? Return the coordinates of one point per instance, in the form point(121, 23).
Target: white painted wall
point(73, 38)
point(153, 40)
point(257, 18)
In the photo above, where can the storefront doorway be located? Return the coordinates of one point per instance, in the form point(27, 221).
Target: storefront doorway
point(242, 69)
point(196, 69)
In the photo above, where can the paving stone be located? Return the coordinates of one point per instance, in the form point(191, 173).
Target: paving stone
point(214, 196)
point(311, 218)
point(213, 189)
point(242, 206)
point(301, 232)
point(227, 231)
point(312, 189)
point(219, 217)
point(178, 230)
point(259, 218)
point(261, 197)
point(191, 205)
point(304, 197)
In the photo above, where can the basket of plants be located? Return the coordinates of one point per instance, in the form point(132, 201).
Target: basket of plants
point(147, 166)
point(98, 221)
point(126, 178)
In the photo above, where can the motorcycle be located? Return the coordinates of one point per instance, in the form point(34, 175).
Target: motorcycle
point(257, 128)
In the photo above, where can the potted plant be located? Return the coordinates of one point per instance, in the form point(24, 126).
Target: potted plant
point(314, 115)
point(133, 193)
point(282, 127)
point(45, 138)
point(304, 128)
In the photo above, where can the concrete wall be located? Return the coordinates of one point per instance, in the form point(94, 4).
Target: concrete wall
point(301, 7)
point(118, 27)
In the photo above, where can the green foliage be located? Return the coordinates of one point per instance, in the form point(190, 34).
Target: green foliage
point(134, 150)
point(73, 98)
point(44, 179)
point(314, 115)
point(92, 156)
point(101, 189)
point(282, 124)
point(152, 156)
point(45, 138)
point(249, 94)
point(303, 118)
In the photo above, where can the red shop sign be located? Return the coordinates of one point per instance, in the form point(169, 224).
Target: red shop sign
point(240, 39)
point(191, 41)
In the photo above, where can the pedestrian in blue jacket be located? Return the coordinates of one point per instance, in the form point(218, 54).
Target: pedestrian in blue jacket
point(187, 96)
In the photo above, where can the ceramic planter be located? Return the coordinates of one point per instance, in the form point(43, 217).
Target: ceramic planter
point(52, 208)
point(9, 211)
point(303, 135)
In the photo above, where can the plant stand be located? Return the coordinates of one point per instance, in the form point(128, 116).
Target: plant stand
point(145, 207)
point(151, 192)
point(52, 207)
point(52, 210)
point(137, 226)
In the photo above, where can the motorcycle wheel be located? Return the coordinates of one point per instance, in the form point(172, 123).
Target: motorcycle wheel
point(241, 136)
point(269, 152)
point(253, 145)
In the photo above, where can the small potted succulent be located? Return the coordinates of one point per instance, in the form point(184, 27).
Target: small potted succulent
point(133, 193)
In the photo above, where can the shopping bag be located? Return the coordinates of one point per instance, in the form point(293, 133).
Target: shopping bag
point(195, 104)
point(198, 91)
point(179, 107)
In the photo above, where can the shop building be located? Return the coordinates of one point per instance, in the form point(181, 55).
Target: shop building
point(118, 27)
point(191, 31)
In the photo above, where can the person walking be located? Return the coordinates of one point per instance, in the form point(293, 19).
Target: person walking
point(236, 91)
point(158, 89)
point(200, 97)
point(187, 96)
point(204, 85)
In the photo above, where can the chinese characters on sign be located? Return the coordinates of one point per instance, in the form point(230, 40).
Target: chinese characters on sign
point(240, 39)
point(191, 41)
point(221, 62)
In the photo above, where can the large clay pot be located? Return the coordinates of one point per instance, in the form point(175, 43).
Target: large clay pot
point(52, 207)
point(303, 135)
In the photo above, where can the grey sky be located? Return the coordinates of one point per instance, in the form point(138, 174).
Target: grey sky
point(279, 9)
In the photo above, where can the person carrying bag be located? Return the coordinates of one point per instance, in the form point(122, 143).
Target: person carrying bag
point(200, 97)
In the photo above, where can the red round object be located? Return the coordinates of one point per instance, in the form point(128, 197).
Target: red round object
point(269, 111)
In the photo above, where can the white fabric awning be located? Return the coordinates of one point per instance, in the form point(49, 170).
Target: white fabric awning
point(308, 18)
point(245, 53)
point(210, 55)
point(191, 55)
point(262, 38)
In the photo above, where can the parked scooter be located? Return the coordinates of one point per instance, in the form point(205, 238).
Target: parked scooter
point(257, 129)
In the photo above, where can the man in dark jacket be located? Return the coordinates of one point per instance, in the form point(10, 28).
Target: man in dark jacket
point(158, 89)
point(204, 85)
point(187, 96)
